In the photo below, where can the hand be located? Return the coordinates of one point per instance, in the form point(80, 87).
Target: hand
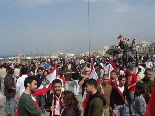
point(52, 108)
point(85, 77)
point(82, 114)
point(16, 98)
point(114, 112)
point(102, 91)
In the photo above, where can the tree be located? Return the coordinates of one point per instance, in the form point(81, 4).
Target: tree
point(110, 51)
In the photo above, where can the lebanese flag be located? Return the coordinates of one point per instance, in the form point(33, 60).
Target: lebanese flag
point(85, 98)
point(151, 105)
point(119, 37)
point(50, 77)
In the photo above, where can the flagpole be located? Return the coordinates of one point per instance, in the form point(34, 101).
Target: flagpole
point(88, 28)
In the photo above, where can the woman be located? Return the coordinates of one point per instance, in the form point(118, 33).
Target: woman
point(70, 105)
point(140, 104)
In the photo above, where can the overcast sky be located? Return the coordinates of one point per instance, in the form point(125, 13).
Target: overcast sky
point(49, 26)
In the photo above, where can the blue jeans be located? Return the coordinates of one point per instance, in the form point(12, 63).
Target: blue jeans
point(76, 87)
point(67, 85)
point(10, 106)
point(131, 103)
point(120, 110)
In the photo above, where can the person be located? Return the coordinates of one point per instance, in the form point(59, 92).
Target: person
point(2, 76)
point(117, 100)
point(131, 84)
point(107, 94)
point(113, 81)
point(140, 74)
point(40, 78)
point(27, 105)
point(70, 105)
point(68, 75)
point(96, 101)
point(9, 92)
point(75, 77)
point(148, 83)
point(53, 100)
point(140, 104)
point(20, 82)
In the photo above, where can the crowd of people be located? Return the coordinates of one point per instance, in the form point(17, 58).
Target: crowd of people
point(110, 95)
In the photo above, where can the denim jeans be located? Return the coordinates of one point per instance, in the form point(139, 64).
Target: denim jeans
point(76, 87)
point(10, 106)
point(67, 85)
point(120, 110)
point(131, 103)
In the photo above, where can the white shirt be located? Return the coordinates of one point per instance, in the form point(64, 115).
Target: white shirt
point(121, 88)
point(20, 84)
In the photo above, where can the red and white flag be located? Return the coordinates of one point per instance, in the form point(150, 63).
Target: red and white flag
point(120, 37)
point(44, 89)
point(85, 98)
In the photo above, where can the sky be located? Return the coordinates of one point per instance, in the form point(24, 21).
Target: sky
point(49, 26)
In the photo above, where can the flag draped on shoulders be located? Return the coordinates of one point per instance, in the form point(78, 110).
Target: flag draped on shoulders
point(46, 84)
point(85, 98)
point(151, 105)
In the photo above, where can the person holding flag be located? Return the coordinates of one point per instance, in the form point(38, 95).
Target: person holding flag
point(53, 104)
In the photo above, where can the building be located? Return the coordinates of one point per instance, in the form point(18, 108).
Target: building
point(152, 48)
point(142, 47)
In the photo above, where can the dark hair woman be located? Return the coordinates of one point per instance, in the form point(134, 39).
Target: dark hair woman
point(70, 105)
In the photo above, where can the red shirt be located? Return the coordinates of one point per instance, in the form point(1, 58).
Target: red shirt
point(131, 79)
point(112, 82)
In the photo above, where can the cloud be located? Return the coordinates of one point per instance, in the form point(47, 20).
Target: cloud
point(122, 9)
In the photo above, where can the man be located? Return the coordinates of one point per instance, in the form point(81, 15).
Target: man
point(53, 99)
point(113, 79)
point(2, 75)
point(96, 101)
point(68, 75)
point(20, 82)
point(40, 78)
point(9, 92)
point(107, 93)
point(148, 82)
point(131, 84)
point(27, 102)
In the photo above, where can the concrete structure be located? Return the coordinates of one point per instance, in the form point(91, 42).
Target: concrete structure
point(142, 47)
point(152, 48)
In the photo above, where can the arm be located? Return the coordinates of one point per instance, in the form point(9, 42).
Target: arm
point(83, 79)
point(29, 106)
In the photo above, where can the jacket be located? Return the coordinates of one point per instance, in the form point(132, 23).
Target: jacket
point(8, 84)
point(95, 105)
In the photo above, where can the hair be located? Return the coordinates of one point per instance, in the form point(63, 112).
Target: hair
point(140, 89)
point(105, 75)
point(92, 82)
point(24, 70)
point(10, 70)
point(147, 69)
point(41, 68)
point(139, 69)
point(113, 71)
point(130, 68)
point(29, 80)
point(121, 77)
point(32, 71)
point(56, 81)
point(71, 102)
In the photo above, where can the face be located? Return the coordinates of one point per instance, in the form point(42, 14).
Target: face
point(33, 86)
point(113, 75)
point(88, 88)
point(40, 72)
point(31, 73)
point(148, 74)
point(105, 80)
point(122, 82)
point(57, 87)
